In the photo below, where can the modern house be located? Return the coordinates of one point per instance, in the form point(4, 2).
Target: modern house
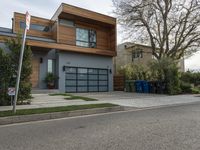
point(76, 44)
point(138, 54)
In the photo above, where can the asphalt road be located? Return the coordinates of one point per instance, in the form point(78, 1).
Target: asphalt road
point(171, 128)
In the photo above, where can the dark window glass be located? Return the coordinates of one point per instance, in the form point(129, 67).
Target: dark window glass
point(137, 54)
point(66, 22)
point(35, 27)
point(85, 38)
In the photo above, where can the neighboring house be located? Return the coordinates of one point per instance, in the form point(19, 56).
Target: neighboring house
point(76, 44)
point(136, 53)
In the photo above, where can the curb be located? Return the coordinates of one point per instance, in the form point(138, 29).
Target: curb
point(56, 115)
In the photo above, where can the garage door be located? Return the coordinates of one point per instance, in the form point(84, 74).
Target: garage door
point(86, 79)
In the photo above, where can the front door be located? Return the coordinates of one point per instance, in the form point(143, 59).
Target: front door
point(35, 72)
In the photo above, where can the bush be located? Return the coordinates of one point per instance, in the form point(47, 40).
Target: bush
point(191, 77)
point(5, 77)
point(166, 70)
point(9, 68)
point(186, 87)
point(195, 91)
point(135, 72)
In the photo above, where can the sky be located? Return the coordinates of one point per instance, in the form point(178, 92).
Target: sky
point(46, 9)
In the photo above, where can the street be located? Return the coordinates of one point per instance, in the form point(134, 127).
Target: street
point(168, 128)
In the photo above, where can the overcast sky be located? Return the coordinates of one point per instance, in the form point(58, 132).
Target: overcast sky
point(46, 9)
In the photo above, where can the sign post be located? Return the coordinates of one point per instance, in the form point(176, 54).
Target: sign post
point(11, 93)
point(28, 19)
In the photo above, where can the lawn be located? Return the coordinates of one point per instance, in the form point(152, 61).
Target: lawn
point(73, 97)
point(54, 109)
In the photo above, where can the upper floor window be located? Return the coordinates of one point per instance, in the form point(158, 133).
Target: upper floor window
point(85, 38)
point(137, 54)
point(35, 27)
point(65, 22)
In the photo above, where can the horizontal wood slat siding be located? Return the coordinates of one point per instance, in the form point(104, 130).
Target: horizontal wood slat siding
point(34, 20)
point(71, 48)
point(88, 14)
point(67, 35)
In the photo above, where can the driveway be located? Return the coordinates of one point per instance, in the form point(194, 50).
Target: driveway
point(136, 100)
point(140, 100)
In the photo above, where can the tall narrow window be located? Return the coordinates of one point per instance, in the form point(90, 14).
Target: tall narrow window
point(85, 38)
point(51, 66)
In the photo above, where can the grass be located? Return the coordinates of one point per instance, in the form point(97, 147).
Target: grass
point(60, 94)
point(73, 97)
point(54, 109)
point(80, 97)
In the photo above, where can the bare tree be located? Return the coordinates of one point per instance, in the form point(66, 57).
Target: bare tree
point(172, 27)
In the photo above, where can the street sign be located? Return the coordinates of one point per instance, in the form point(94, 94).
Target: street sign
point(28, 20)
point(11, 91)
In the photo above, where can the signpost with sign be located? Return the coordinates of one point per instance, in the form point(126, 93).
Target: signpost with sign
point(11, 93)
point(28, 19)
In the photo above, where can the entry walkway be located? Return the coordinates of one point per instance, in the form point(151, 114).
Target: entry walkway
point(120, 98)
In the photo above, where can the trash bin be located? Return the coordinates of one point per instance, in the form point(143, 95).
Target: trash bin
point(145, 87)
point(127, 86)
point(130, 85)
point(138, 86)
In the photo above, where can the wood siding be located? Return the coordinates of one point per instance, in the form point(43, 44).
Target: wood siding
point(34, 20)
point(67, 35)
point(35, 72)
point(87, 14)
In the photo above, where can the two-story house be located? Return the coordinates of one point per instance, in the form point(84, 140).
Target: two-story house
point(76, 44)
point(138, 54)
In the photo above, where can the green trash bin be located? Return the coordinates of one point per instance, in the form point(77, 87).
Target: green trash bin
point(130, 85)
point(127, 86)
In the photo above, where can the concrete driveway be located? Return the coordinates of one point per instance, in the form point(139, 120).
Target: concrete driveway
point(140, 100)
point(135, 100)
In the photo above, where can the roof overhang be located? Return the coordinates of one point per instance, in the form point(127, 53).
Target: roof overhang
point(62, 47)
point(70, 10)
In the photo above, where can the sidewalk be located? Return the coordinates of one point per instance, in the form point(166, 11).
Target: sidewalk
point(135, 100)
point(44, 100)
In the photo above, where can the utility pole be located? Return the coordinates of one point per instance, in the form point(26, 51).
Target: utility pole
point(28, 19)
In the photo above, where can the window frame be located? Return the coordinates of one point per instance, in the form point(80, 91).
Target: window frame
point(23, 26)
point(137, 54)
point(89, 42)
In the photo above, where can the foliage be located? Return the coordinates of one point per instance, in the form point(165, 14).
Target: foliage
point(171, 27)
point(10, 63)
point(5, 77)
point(135, 72)
point(186, 87)
point(166, 70)
point(50, 78)
point(191, 77)
point(195, 91)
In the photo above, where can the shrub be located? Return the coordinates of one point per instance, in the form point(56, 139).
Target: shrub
point(186, 87)
point(9, 68)
point(195, 91)
point(166, 70)
point(135, 72)
point(5, 77)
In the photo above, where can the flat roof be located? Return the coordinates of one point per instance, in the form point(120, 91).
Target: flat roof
point(85, 13)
